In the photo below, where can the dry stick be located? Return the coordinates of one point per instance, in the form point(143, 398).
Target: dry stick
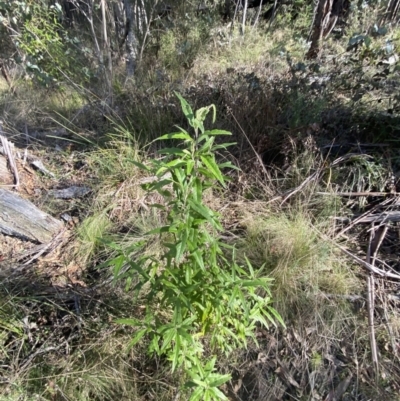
point(302, 185)
point(363, 263)
point(369, 212)
point(359, 193)
point(377, 241)
point(371, 268)
point(291, 192)
point(376, 218)
point(371, 304)
point(11, 160)
point(313, 176)
point(50, 246)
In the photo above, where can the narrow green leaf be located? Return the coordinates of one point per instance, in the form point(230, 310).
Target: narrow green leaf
point(212, 166)
point(171, 151)
point(216, 132)
point(176, 135)
point(177, 348)
point(154, 345)
point(188, 274)
point(228, 165)
point(140, 165)
point(129, 322)
point(138, 268)
point(253, 283)
point(179, 174)
point(200, 383)
point(216, 380)
point(187, 110)
point(176, 163)
point(189, 167)
point(118, 262)
point(207, 174)
point(202, 210)
point(277, 316)
point(256, 316)
point(137, 338)
point(223, 146)
point(197, 394)
point(220, 396)
point(197, 190)
point(249, 265)
point(168, 336)
point(181, 246)
point(214, 113)
point(186, 335)
point(199, 260)
point(160, 184)
point(198, 125)
point(207, 147)
point(161, 171)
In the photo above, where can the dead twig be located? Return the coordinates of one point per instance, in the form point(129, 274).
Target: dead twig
point(312, 177)
point(358, 193)
point(363, 263)
point(372, 249)
point(8, 150)
point(51, 246)
point(363, 216)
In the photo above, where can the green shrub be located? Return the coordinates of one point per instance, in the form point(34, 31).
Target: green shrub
point(193, 291)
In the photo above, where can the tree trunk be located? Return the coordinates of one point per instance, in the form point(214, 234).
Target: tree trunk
point(321, 19)
point(131, 40)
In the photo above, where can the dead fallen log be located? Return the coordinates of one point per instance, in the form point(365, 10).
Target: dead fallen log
point(22, 219)
point(373, 218)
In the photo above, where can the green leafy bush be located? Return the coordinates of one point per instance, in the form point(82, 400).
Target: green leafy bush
point(38, 41)
point(193, 291)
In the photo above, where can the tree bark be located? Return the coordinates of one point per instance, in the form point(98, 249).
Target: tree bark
point(322, 15)
point(131, 40)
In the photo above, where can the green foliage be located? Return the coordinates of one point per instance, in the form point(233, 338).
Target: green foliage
point(40, 42)
point(181, 45)
point(193, 283)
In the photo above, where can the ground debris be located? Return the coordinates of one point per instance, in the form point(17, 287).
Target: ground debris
point(70, 193)
point(21, 218)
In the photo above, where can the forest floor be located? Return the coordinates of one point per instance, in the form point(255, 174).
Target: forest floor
point(315, 205)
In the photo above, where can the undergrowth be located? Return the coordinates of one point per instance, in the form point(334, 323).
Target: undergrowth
point(305, 133)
